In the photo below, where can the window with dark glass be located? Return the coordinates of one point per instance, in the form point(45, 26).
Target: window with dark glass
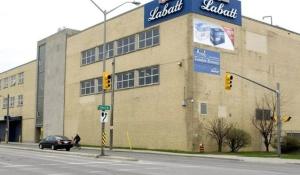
point(126, 45)
point(100, 86)
point(125, 80)
point(149, 38)
point(148, 76)
point(263, 114)
point(88, 57)
point(87, 87)
point(109, 50)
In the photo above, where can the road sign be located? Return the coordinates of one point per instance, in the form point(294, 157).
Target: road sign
point(104, 107)
point(104, 116)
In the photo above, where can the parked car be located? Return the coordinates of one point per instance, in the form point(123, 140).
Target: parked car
point(56, 142)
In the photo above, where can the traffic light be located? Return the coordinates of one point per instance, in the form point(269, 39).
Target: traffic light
point(286, 118)
point(106, 80)
point(228, 81)
point(283, 118)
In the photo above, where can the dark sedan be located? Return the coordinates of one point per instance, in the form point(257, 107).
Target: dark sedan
point(56, 142)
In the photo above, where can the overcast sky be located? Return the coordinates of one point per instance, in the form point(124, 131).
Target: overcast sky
point(24, 22)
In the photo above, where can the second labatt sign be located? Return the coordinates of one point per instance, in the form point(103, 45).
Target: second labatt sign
point(159, 11)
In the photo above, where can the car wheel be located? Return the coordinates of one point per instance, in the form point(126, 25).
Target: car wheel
point(41, 146)
point(53, 147)
point(67, 149)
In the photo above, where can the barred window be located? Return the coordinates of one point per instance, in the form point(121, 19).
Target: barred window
point(87, 87)
point(88, 57)
point(149, 38)
point(4, 105)
point(126, 45)
point(12, 102)
point(13, 80)
point(100, 86)
point(5, 83)
point(203, 108)
point(21, 78)
point(148, 76)
point(125, 80)
point(20, 100)
point(263, 114)
point(109, 50)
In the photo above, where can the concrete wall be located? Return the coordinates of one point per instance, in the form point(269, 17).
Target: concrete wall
point(54, 82)
point(28, 90)
point(153, 117)
point(148, 117)
point(262, 53)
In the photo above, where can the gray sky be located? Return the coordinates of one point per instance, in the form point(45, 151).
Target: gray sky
point(24, 22)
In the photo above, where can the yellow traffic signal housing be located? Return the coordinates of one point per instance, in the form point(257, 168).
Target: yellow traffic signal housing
point(283, 118)
point(228, 81)
point(106, 80)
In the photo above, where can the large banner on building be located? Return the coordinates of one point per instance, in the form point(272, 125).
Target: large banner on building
point(213, 35)
point(206, 61)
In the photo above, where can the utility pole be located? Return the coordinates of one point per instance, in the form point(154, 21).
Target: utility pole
point(105, 13)
point(7, 119)
point(277, 93)
point(278, 120)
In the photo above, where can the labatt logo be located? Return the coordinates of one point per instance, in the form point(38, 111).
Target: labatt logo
point(162, 1)
point(166, 10)
point(209, 5)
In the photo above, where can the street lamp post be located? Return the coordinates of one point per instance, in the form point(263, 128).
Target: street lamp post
point(271, 18)
point(105, 13)
point(7, 119)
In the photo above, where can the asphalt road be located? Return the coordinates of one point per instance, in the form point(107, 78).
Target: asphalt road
point(23, 162)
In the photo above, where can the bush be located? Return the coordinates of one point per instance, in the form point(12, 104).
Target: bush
point(289, 144)
point(237, 139)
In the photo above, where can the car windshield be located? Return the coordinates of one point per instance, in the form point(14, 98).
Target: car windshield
point(61, 138)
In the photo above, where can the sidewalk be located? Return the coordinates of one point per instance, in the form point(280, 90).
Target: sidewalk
point(94, 152)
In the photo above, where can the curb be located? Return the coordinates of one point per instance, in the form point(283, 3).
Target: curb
point(70, 153)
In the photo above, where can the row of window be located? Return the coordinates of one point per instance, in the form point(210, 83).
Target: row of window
point(12, 101)
point(130, 79)
point(12, 80)
point(122, 46)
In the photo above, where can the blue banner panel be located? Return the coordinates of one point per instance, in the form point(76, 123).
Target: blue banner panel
point(206, 61)
point(158, 11)
point(226, 10)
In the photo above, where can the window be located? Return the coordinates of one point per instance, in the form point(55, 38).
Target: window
point(0, 84)
point(5, 83)
point(109, 50)
point(263, 114)
point(4, 105)
point(100, 85)
point(87, 87)
point(21, 78)
point(12, 102)
point(203, 108)
point(88, 57)
point(126, 45)
point(125, 80)
point(13, 80)
point(148, 76)
point(149, 38)
point(20, 100)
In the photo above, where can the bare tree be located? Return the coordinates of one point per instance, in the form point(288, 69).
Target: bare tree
point(264, 119)
point(218, 129)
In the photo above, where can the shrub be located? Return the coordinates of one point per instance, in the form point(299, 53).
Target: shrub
point(237, 139)
point(289, 144)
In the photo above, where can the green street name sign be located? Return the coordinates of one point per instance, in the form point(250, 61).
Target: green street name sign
point(104, 107)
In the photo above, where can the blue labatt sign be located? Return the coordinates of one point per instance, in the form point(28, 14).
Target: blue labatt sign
point(158, 11)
